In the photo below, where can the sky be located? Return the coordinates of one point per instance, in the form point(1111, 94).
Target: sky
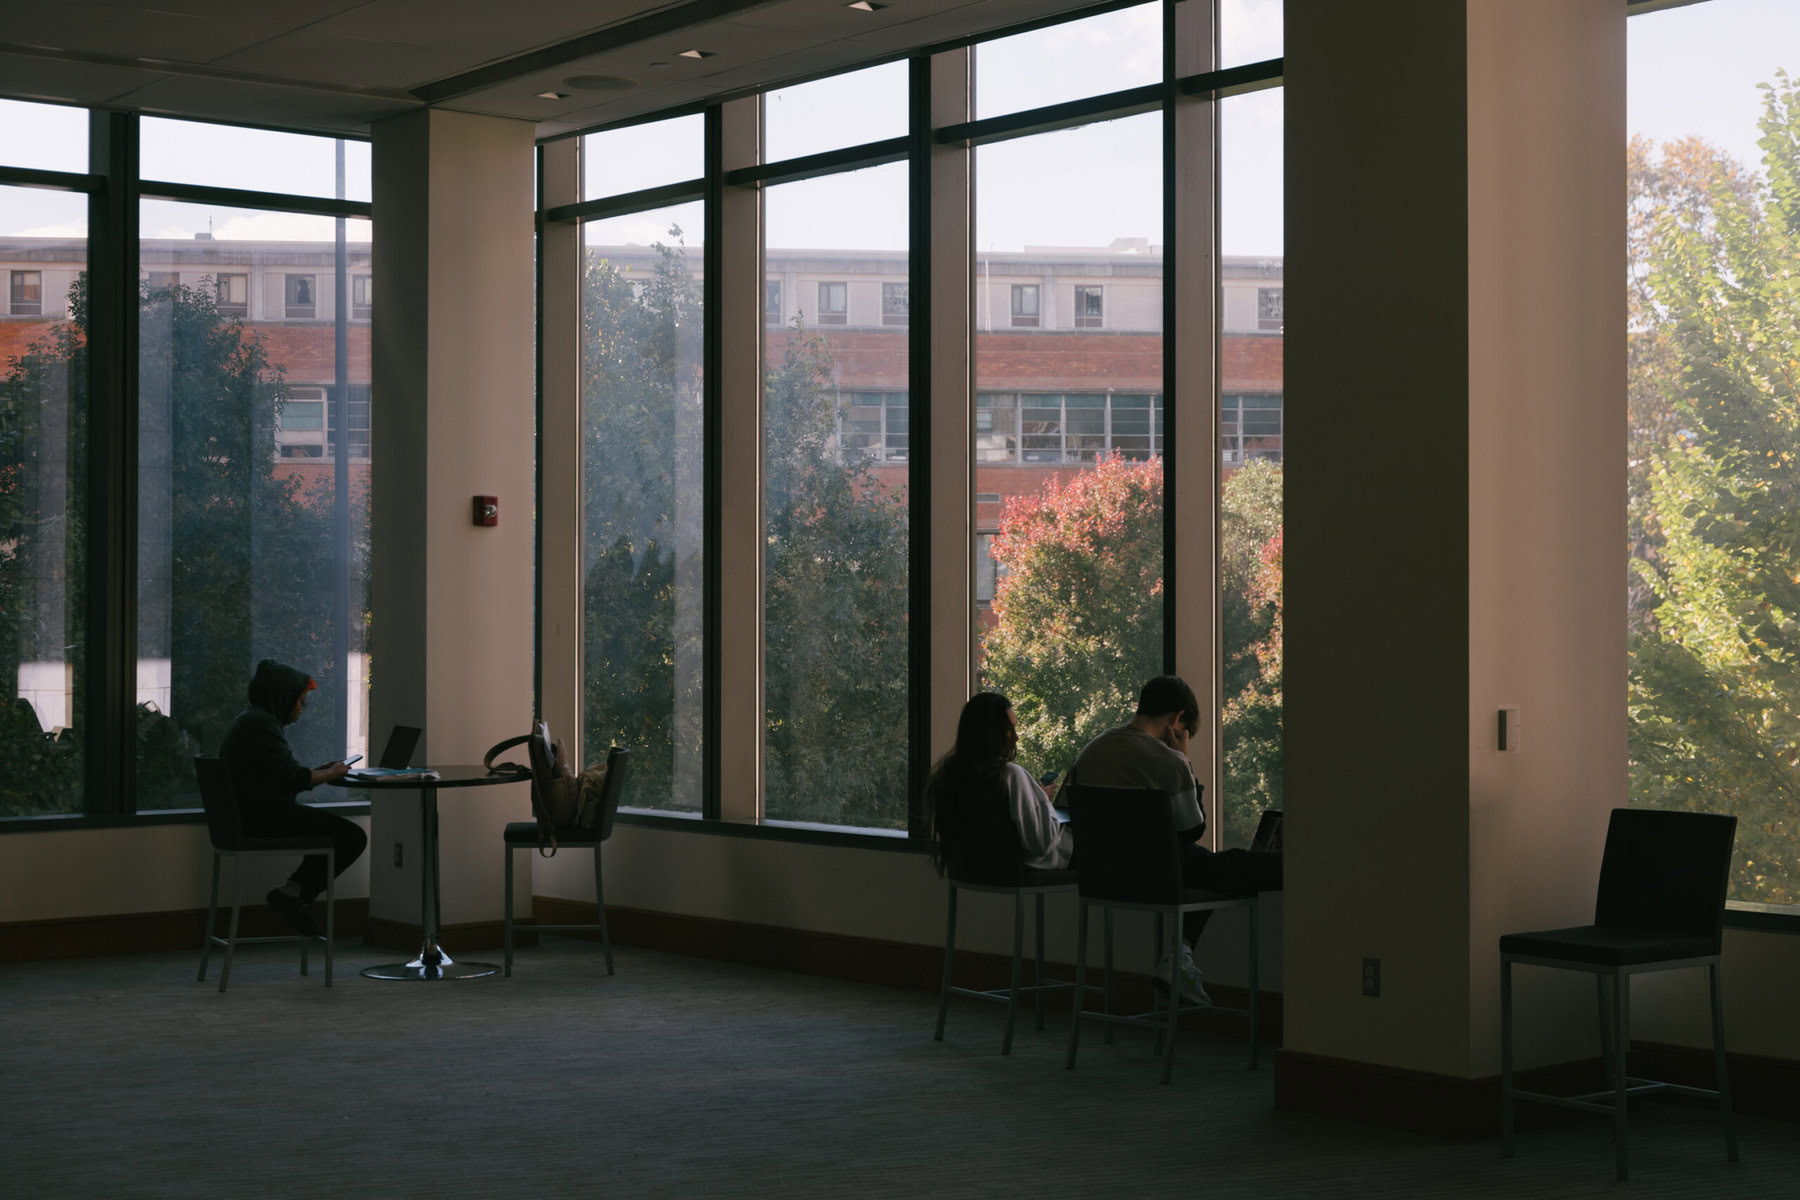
point(1692, 70)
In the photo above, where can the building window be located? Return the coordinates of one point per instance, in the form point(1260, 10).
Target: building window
point(300, 424)
point(1089, 307)
point(987, 571)
point(1025, 305)
point(362, 296)
point(162, 281)
point(872, 427)
point(893, 304)
point(1249, 428)
point(1268, 308)
point(301, 304)
point(234, 295)
point(834, 303)
point(1071, 428)
point(771, 302)
point(27, 298)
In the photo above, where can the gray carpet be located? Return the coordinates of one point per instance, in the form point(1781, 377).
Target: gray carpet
point(678, 1077)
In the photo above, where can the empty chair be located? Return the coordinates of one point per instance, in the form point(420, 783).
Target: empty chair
point(523, 835)
point(1660, 907)
point(1128, 857)
point(226, 828)
point(985, 857)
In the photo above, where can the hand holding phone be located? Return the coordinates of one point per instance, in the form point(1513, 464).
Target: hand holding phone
point(353, 760)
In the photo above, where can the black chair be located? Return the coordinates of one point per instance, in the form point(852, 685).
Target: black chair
point(984, 857)
point(226, 827)
point(523, 835)
point(1128, 856)
point(1661, 907)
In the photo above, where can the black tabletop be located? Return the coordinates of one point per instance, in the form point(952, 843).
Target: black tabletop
point(448, 777)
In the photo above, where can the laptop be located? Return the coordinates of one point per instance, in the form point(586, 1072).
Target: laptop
point(400, 746)
point(1268, 832)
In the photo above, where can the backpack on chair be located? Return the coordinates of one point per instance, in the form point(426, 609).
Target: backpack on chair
point(555, 788)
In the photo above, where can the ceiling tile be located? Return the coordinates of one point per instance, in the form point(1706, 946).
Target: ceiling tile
point(29, 77)
point(195, 31)
point(250, 103)
point(312, 54)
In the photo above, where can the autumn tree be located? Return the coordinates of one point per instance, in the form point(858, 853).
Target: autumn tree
point(1714, 693)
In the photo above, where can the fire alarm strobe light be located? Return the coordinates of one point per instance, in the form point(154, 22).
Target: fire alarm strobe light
point(487, 510)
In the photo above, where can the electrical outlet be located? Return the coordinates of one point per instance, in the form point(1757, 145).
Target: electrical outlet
point(1371, 977)
point(396, 854)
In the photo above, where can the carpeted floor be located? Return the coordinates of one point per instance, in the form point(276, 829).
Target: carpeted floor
point(123, 1077)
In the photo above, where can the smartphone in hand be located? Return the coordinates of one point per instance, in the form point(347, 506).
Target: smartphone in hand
point(353, 760)
point(1047, 780)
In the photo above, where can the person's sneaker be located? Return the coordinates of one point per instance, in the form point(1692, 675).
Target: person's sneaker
point(295, 912)
point(1193, 989)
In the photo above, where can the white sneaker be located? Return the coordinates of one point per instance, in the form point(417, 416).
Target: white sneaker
point(1193, 987)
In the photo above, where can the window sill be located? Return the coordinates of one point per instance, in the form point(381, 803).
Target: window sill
point(803, 832)
point(1763, 918)
point(65, 822)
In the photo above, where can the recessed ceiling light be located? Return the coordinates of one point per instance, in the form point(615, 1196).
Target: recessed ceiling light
point(553, 95)
point(865, 5)
point(698, 53)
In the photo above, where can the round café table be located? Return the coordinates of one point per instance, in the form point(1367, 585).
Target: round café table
point(431, 962)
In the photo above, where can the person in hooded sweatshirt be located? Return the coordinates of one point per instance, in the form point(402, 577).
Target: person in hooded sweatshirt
point(268, 782)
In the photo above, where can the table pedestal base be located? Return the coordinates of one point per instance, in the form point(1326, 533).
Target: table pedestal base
point(418, 970)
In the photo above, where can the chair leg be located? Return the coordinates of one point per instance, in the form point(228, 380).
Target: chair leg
point(1174, 998)
point(1724, 1084)
point(212, 918)
point(1506, 1058)
point(1037, 972)
point(237, 879)
point(330, 910)
point(1606, 1036)
point(506, 924)
point(1080, 1005)
point(1107, 930)
point(949, 957)
point(1156, 996)
point(1018, 961)
point(600, 910)
point(1621, 1082)
point(1255, 1002)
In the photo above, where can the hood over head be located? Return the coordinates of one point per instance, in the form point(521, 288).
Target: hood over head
point(276, 686)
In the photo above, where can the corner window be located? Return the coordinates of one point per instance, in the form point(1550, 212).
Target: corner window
point(1268, 308)
point(27, 299)
point(1090, 307)
point(1025, 305)
point(834, 303)
point(300, 302)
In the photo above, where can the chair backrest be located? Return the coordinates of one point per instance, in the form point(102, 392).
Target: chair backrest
point(1126, 846)
point(618, 764)
point(220, 801)
point(400, 746)
point(982, 845)
point(1667, 871)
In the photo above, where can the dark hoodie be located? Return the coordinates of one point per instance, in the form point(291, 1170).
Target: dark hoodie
point(264, 772)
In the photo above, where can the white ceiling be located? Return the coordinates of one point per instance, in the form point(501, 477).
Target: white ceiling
point(336, 65)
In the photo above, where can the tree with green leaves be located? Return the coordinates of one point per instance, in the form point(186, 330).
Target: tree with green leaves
point(1714, 690)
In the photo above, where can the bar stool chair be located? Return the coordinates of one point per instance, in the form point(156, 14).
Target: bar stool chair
point(1660, 907)
point(1129, 858)
point(226, 828)
point(523, 835)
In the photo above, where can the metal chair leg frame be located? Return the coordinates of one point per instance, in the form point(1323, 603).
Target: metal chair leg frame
point(1081, 989)
point(1621, 1081)
point(1174, 949)
point(212, 920)
point(237, 872)
point(1037, 968)
point(1255, 995)
point(1506, 1059)
point(1724, 1080)
point(600, 912)
point(1106, 927)
point(1012, 991)
point(506, 925)
point(949, 958)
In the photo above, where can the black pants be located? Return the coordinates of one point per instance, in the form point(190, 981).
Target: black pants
point(299, 820)
point(1226, 871)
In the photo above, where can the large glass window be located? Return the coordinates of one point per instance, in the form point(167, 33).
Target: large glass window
point(45, 137)
point(1250, 453)
point(43, 496)
point(829, 114)
point(1068, 470)
point(643, 156)
point(835, 508)
point(1714, 432)
point(252, 542)
point(259, 160)
point(643, 492)
point(1071, 61)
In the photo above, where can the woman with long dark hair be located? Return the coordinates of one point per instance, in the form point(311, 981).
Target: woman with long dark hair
point(979, 777)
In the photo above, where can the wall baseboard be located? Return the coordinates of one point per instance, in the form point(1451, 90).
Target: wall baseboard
point(130, 933)
point(870, 960)
point(1469, 1109)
